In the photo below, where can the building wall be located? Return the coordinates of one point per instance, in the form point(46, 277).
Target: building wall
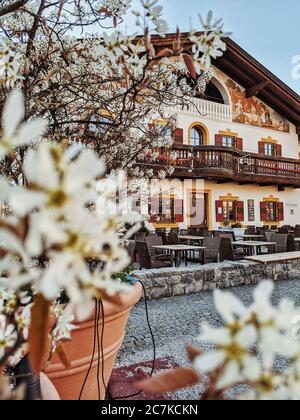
point(251, 135)
point(290, 197)
point(285, 136)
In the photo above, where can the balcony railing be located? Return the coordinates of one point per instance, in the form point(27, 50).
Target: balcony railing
point(225, 164)
point(207, 109)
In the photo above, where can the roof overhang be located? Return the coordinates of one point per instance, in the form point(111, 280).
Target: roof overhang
point(253, 76)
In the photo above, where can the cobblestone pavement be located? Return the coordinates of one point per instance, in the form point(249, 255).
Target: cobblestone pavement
point(175, 323)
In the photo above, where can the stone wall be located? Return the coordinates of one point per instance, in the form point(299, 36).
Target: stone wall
point(170, 282)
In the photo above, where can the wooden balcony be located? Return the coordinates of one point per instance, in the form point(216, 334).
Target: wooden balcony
point(229, 165)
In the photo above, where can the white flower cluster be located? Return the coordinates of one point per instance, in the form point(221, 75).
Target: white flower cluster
point(247, 347)
point(114, 7)
point(10, 63)
point(210, 43)
point(55, 214)
point(152, 12)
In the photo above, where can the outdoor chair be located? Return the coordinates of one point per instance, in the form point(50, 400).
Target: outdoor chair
point(274, 228)
point(155, 240)
point(162, 233)
point(297, 232)
point(212, 251)
point(174, 230)
point(147, 261)
point(140, 236)
point(184, 232)
point(173, 239)
point(281, 240)
point(284, 230)
point(291, 244)
point(250, 231)
point(238, 253)
point(131, 250)
point(226, 250)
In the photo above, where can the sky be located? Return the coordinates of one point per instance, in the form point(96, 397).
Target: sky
point(269, 30)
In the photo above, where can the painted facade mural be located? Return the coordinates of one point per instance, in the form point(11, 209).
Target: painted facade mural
point(252, 111)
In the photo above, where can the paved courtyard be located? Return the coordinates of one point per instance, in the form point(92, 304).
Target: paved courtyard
point(175, 323)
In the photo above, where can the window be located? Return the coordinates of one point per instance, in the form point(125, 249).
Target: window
point(196, 137)
point(270, 149)
point(231, 210)
point(228, 141)
point(164, 209)
point(272, 211)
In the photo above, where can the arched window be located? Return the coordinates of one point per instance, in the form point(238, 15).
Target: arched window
point(196, 136)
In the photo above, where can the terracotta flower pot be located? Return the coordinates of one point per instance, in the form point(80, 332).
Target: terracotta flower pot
point(68, 382)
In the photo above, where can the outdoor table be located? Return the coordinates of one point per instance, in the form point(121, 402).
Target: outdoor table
point(297, 239)
point(253, 245)
point(253, 237)
point(177, 250)
point(191, 238)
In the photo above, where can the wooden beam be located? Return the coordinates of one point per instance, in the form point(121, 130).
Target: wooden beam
point(256, 89)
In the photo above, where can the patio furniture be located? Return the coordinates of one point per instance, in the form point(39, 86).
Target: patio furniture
point(274, 228)
point(131, 250)
point(281, 242)
point(178, 251)
point(174, 230)
point(212, 251)
point(157, 240)
point(271, 258)
point(140, 236)
point(297, 231)
point(147, 261)
point(163, 234)
point(256, 237)
point(238, 253)
point(253, 246)
point(173, 239)
point(291, 244)
point(191, 239)
point(226, 250)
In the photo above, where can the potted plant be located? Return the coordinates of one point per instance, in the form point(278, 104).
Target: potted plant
point(58, 222)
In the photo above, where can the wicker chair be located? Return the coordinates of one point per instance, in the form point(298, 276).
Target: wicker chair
point(212, 250)
point(163, 234)
point(297, 231)
point(173, 239)
point(131, 250)
point(281, 240)
point(147, 261)
point(226, 250)
point(140, 236)
point(155, 240)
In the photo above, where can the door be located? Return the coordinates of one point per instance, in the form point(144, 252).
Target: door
point(197, 209)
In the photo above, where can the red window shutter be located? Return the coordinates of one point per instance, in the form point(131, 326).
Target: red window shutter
point(219, 140)
point(240, 212)
point(261, 147)
point(219, 212)
point(263, 211)
point(178, 210)
point(150, 126)
point(179, 136)
point(280, 212)
point(239, 144)
point(279, 150)
point(153, 209)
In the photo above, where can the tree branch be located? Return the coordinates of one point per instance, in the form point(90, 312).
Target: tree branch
point(10, 8)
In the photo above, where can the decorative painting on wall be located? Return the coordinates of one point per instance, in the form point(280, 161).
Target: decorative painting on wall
point(252, 111)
